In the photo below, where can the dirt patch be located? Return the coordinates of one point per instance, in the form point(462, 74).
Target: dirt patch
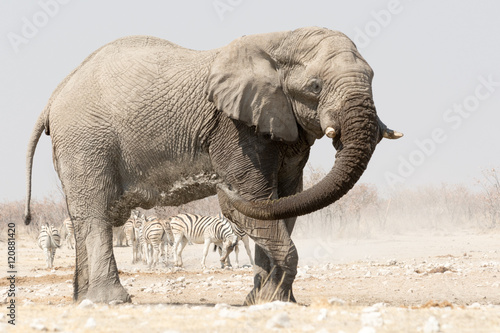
point(390, 283)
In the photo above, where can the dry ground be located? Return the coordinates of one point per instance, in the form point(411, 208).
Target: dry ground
point(427, 282)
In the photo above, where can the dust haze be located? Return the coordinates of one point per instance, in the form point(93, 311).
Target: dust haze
point(416, 259)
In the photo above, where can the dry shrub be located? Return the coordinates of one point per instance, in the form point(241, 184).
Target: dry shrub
point(354, 214)
point(51, 210)
point(363, 210)
point(435, 304)
point(490, 185)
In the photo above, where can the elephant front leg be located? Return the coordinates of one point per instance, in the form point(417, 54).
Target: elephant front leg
point(96, 275)
point(275, 266)
point(276, 257)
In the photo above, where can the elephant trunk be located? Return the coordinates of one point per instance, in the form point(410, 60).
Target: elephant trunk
point(359, 135)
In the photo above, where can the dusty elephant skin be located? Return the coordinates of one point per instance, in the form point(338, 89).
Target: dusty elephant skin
point(144, 122)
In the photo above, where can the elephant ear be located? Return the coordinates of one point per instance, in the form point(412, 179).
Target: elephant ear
point(244, 83)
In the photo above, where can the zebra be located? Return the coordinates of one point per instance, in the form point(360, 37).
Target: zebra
point(155, 233)
point(128, 230)
point(140, 246)
point(118, 236)
point(130, 235)
point(49, 240)
point(201, 229)
point(69, 232)
point(242, 235)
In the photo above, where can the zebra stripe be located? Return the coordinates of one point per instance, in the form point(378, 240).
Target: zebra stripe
point(243, 236)
point(128, 230)
point(49, 240)
point(155, 235)
point(139, 245)
point(200, 229)
point(70, 233)
point(237, 230)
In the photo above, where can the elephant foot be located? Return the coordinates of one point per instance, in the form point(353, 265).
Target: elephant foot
point(115, 293)
point(270, 292)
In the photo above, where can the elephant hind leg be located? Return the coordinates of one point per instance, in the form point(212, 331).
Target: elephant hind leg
point(96, 274)
point(81, 277)
point(104, 283)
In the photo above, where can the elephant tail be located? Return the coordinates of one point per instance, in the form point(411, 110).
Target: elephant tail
point(40, 126)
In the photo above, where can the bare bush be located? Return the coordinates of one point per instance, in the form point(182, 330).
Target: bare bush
point(490, 197)
point(364, 210)
point(433, 207)
point(51, 210)
point(353, 213)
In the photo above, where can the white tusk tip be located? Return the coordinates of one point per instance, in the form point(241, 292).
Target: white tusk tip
point(390, 134)
point(330, 132)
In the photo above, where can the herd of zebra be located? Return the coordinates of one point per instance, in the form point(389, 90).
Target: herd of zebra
point(150, 236)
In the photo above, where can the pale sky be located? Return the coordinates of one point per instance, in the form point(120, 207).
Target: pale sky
point(436, 63)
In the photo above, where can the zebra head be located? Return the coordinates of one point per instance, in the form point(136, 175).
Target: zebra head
point(228, 246)
point(233, 241)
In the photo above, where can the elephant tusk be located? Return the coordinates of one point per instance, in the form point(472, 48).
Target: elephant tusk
point(390, 134)
point(330, 132)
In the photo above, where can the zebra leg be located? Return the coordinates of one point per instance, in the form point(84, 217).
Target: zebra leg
point(70, 237)
point(144, 253)
point(180, 243)
point(227, 262)
point(183, 244)
point(205, 252)
point(236, 250)
point(220, 255)
point(149, 254)
point(164, 252)
point(52, 256)
point(134, 251)
point(47, 257)
point(156, 253)
point(246, 243)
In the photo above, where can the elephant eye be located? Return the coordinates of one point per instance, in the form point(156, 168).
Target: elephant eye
point(315, 86)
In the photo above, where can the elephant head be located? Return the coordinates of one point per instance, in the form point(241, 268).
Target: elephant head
point(311, 80)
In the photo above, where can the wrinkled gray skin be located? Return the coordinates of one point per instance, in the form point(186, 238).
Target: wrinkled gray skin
point(143, 122)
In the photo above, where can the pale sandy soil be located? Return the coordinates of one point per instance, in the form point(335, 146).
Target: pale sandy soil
point(426, 282)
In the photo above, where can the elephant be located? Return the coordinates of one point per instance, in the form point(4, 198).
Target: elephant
point(143, 122)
